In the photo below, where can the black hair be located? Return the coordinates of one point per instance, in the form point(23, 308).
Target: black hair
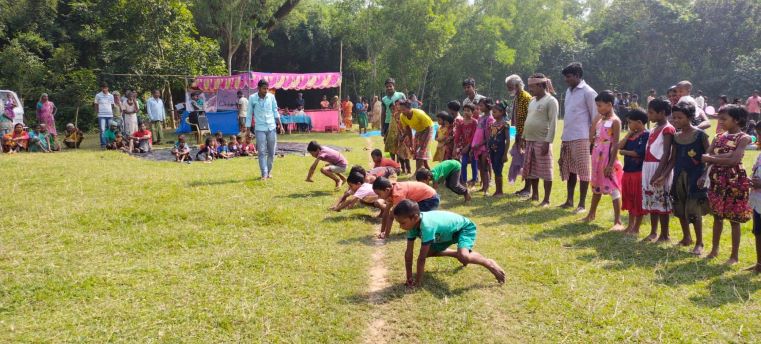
point(724, 98)
point(406, 103)
point(501, 106)
point(263, 82)
point(660, 105)
point(626, 93)
point(637, 115)
point(686, 108)
point(406, 208)
point(208, 141)
point(652, 90)
point(358, 169)
point(381, 183)
point(454, 105)
point(573, 69)
point(313, 146)
point(376, 152)
point(469, 82)
point(423, 174)
point(672, 89)
point(355, 178)
point(444, 116)
point(103, 84)
point(488, 102)
point(469, 106)
point(240, 93)
point(605, 97)
point(738, 113)
point(390, 81)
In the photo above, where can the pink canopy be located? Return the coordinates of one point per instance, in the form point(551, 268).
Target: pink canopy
point(283, 81)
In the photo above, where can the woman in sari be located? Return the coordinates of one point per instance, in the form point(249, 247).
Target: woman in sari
point(17, 140)
point(6, 118)
point(46, 111)
point(375, 113)
point(130, 109)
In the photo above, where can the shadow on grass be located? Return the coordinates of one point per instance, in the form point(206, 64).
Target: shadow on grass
point(722, 291)
point(432, 284)
point(349, 216)
point(369, 240)
point(627, 252)
point(690, 272)
point(316, 193)
point(198, 183)
point(567, 230)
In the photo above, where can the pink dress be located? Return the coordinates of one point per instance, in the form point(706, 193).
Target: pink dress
point(600, 159)
point(481, 135)
point(45, 115)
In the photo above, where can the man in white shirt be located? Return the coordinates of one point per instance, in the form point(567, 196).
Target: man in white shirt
point(104, 107)
point(155, 109)
point(575, 156)
point(243, 119)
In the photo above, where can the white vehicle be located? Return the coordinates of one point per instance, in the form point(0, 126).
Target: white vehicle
point(18, 111)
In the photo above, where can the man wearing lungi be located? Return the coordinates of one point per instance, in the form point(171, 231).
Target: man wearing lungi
point(538, 134)
point(518, 113)
point(575, 151)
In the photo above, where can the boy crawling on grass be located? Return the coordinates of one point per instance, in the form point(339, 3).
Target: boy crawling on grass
point(438, 230)
point(360, 191)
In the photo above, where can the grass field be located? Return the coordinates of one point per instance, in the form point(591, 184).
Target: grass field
point(98, 246)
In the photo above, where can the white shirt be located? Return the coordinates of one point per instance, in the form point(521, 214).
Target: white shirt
point(155, 109)
point(243, 109)
point(701, 102)
point(105, 103)
point(580, 111)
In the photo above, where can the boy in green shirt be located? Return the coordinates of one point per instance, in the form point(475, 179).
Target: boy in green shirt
point(438, 230)
point(449, 172)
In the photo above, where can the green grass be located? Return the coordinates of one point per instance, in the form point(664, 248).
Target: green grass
point(98, 246)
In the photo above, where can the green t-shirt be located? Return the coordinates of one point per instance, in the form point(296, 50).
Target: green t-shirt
point(439, 226)
point(387, 102)
point(444, 169)
point(109, 135)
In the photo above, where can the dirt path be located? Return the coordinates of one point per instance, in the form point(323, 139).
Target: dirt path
point(378, 282)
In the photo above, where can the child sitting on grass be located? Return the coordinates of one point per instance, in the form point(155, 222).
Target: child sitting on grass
point(447, 171)
point(437, 231)
point(391, 194)
point(336, 163)
point(222, 150)
point(248, 148)
point(359, 191)
point(380, 161)
point(181, 150)
point(208, 149)
point(234, 146)
point(120, 144)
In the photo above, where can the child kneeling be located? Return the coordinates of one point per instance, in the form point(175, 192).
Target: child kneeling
point(438, 230)
point(449, 172)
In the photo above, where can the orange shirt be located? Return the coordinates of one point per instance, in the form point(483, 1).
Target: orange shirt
point(386, 162)
point(413, 191)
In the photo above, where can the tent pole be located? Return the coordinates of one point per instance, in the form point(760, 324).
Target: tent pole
point(250, 43)
point(341, 72)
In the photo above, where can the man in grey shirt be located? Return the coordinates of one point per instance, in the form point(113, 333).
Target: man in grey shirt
point(580, 112)
point(471, 96)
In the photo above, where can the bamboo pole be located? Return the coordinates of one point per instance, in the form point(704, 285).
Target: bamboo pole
point(171, 104)
point(340, 87)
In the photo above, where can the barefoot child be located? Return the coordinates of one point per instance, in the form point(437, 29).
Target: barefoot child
point(181, 150)
point(690, 197)
point(480, 140)
point(248, 148)
point(391, 194)
point(447, 171)
point(442, 135)
point(755, 202)
point(463, 136)
point(437, 231)
point(359, 191)
point(656, 177)
point(730, 187)
point(632, 147)
point(336, 163)
point(499, 144)
point(380, 161)
point(606, 169)
point(404, 143)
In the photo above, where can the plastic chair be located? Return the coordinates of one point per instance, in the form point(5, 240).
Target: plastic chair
point(200, 133)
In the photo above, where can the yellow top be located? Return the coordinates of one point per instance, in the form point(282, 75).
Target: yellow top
point(420, 120)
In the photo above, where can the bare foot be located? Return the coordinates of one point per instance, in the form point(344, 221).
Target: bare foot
point(663, 239)
point(468, 197)
point(496, 270)
point(535, 198)
point(712, 255)
point(523, 193)
point(544, 204)
point(587, 219)
point(633, 233)
point(730, 261)
point(566, 205)
point(685, 242)
point(617, 228)
point(339, 183)
point(498, 194)
point(698, 250)
point(381, 235)
point(580, 210)
point(651, 237)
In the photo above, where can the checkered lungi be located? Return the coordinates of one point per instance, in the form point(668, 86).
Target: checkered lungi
point(422, 139)
point(575, 158)
point(536, 165)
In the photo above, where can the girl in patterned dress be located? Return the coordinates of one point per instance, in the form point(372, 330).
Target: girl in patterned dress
point(499, 143)
point(463, 136)
point(404, 143)
point(656, 177)
point(606, 169)
point(730, 186)
point(479, 143)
